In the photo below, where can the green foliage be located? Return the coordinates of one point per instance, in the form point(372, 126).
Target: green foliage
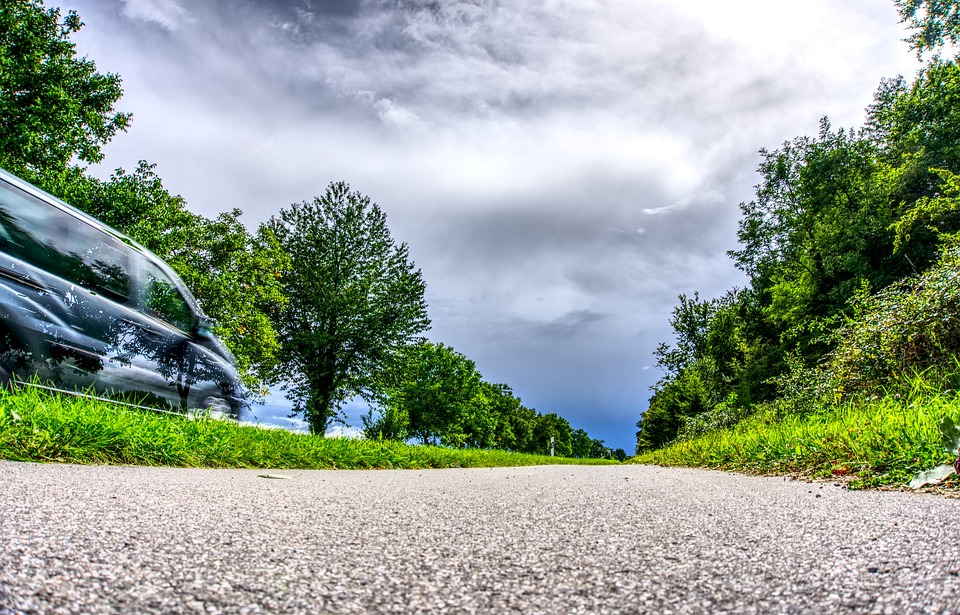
point(818, 229)
point(917, 127)
point(514, 431)
point(910, 327)
point(934, 21)
point(950, 436)
point(354, 301)
point(932, 217)
point(724, 414)
point(439, 396)
point(54, 107)
point(553, 426)
point(714, 360)
point(950, 439)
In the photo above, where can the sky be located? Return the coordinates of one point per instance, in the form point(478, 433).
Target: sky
point(560, 170)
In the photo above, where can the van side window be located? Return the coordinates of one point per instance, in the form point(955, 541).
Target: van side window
point(48, 238)
point(163, 300)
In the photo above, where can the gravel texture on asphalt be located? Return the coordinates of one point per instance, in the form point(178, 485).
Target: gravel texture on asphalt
point(556, 539)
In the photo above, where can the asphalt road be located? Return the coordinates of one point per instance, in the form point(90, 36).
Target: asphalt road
point(560, 539)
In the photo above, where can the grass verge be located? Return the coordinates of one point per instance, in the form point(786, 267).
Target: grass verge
point(40, 426)
point(870, 443)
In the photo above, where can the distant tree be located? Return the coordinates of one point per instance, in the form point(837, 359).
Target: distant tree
point(437, 396)
point(355, 300)
point(54, 107)
point(581, 445)
point(515, 422)
point(599, 450)
point(549, 426)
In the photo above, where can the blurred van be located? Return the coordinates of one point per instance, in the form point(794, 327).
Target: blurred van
point(84, 308)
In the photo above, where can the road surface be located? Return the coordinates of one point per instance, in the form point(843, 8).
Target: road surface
point(558, 539)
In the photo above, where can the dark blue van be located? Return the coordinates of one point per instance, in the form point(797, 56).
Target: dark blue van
point(82, 307)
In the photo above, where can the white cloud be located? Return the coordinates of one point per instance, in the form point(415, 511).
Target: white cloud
point(395, 115)
point(168, 14)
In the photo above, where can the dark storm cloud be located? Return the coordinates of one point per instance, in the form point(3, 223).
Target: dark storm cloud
point(560, 169)
point(571, 324)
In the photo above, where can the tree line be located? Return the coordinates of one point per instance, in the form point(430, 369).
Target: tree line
point(320, 296)
point(850, 247)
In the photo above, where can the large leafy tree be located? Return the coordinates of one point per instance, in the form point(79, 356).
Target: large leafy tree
point(819, 226)
point(54, 106)
point(355, 300)
point(552, 428)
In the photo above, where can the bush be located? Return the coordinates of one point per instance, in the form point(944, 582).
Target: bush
point(725, 414)
point(910, 327)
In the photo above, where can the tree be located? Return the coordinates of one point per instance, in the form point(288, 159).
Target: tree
point(515, 421)
point(935, 22)
point(819, 226)
point(437, 396)
point(54, 107)
point(549, 426)
point(354, 301)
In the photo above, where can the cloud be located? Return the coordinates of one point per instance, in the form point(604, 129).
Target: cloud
point(168, 14)
point(703, 198)
point(573, 323)
point(395, 115)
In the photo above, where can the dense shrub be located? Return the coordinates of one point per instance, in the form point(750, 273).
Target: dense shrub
point(909, 327)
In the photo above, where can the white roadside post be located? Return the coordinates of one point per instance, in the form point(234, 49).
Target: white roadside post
point(551, 446)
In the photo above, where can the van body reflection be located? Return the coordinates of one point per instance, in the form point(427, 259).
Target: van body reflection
point(83, 307)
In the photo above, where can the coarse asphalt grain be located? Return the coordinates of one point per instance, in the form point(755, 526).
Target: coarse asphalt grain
point(554, 539)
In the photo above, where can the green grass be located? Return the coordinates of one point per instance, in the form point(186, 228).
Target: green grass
point(40, 426)
point(876, 442)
